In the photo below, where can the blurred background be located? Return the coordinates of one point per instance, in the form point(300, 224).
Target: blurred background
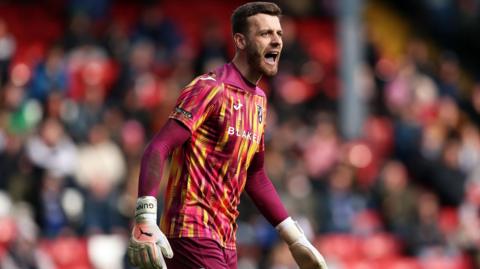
point(373, 127)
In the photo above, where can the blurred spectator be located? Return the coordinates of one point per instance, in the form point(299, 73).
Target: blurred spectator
point(419, 53)
point(469, 154)
point(340, 204)
point(85, 114)
point(49, 76)
point(91, 74)
point(469, 221)
point(213, 49)
point(397, 91)
point(96, 9)
point(300, 197)
point(23, 250)
point(102, 212)
point(20, 114)
point(378, 132)
point(133, 139)
point(155, 27)
point(138, 88)
point(52, 218)
point(471, 104)
point(116, 41)
point(52, 150)
point(100, 161)
point(7, 50)
point(449, 76)
point(427, 238)
point(100, 171)
point(396, 198)
point(407, 134)
point(89, 67)
point(301, 8)
point(321, 149)
point(13, 166)
point(448, 180)
point(411, 92)
point(79, 31)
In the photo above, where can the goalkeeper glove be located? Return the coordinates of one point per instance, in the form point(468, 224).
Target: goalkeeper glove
point(304, 253)
point(148, 244)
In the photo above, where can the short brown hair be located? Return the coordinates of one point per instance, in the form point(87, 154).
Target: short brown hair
point(240, 15)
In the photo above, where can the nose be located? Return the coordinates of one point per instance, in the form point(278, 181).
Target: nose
point(276, 40)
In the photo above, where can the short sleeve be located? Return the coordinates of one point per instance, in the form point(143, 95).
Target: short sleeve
point(196, 103)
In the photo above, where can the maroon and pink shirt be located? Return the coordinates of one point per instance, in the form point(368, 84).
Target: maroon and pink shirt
point(226, 117)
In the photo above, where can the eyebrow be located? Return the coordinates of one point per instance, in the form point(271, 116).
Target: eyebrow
point(270, 30)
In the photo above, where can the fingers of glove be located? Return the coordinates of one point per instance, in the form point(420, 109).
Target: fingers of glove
point(307, 257)
point(131, 256)
point(156, 257)
point(134, 256)
point(151, 257)
point(145, 261)
point(165, 246)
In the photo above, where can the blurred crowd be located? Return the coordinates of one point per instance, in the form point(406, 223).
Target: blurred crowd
point(76, 116)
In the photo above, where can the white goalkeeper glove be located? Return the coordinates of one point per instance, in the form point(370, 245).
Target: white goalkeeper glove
point(305, 254)
point(148, 245)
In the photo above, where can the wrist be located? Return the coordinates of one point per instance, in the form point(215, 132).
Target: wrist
point(146, 209)
point(290, 231)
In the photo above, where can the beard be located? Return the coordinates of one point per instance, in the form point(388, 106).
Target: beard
point(256, 62)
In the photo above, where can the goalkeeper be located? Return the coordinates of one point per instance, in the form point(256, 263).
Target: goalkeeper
point(215, 135)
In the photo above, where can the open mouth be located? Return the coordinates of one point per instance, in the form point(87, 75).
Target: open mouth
point(271, 57)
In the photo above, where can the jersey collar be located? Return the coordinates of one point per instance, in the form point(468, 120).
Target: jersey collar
point(231, 75)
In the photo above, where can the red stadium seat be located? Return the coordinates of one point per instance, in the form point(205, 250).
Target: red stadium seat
point(361, 264)
point(445, 262)
point(319, 38)
point(380, 246)
point(126, 14)
point(67, 252)
point(448, 220)
point(393, 263)
point(367, 222)
point(342, 247)
point(400, 263)
point(9, 231)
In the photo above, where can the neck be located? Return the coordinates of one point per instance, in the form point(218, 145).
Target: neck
point(242, 65)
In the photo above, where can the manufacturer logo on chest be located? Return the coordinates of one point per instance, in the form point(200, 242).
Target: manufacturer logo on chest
point(238, 106)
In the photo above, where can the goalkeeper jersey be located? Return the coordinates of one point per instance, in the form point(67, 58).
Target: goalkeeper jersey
point(226, 117)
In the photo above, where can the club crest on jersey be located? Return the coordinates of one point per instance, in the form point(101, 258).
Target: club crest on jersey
point(260, 113)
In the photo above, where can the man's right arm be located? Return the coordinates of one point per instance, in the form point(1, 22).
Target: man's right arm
point(173, 134)
point(148, 245)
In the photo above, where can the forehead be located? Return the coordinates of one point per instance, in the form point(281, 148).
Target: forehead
point(263, 22)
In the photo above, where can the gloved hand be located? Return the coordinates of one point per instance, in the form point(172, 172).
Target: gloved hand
point(304, 253)
point(148, 245)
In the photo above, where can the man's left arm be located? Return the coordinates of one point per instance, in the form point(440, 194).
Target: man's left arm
point(263, 194)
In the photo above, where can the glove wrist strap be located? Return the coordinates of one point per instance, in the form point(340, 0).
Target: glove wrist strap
point(289, 231)
point(146, 209)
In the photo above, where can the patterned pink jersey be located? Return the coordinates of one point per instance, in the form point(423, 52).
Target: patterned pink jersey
point(226, 116)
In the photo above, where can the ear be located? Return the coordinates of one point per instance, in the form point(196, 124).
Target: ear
point(240, 41)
